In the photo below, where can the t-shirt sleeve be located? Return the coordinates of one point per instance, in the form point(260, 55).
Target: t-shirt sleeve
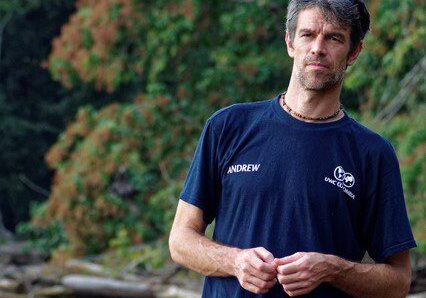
point(202, 186)
point(386, 225)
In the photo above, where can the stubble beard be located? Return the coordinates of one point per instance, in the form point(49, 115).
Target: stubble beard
point(313, 81)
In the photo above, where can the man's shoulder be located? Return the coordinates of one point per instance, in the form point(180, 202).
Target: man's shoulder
point(236, 113)
point(242, 107)
point(371, 141)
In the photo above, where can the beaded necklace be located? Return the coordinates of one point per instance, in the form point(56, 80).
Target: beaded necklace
point(291, 111)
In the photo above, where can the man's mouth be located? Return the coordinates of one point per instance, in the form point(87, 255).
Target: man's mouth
point(317, 66)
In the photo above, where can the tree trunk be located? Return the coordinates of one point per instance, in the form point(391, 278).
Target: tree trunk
point(5, 234)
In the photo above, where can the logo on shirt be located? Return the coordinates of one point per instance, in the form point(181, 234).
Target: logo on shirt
point(243, 168)
point(344, 180)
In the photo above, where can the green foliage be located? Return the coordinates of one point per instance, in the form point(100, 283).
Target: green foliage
point(102, 152)
point(135, 259)
point(407, 133)
point(44, 239)
point(396, 43)
point(222, 52)
point(17, 7)
point(121, 242)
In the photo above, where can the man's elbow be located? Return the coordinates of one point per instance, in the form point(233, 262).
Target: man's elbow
point(173, 248)
point(177, 247)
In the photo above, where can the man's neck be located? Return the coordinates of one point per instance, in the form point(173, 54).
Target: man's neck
point(313, 104)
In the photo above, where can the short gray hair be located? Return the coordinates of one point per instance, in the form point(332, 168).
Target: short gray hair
point(351, 13)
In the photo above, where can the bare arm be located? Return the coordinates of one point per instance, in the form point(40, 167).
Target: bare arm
point(302, 272)
point(191, 248)
point(374, 280)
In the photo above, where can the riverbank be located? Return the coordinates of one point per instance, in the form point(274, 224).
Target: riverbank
point(25, 272)
point(28, 273)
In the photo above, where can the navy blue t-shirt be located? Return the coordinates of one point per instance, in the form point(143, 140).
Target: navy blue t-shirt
point(270, 180)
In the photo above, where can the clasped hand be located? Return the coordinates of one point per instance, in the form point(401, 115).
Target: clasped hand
point(257, 271)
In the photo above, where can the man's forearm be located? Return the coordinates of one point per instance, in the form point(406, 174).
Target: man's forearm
point(203, 255)
point(368, 280)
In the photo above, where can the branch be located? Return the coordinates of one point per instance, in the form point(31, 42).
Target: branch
point(164, 173)
point(3, 24)
point(31, 185)
point(407, 85)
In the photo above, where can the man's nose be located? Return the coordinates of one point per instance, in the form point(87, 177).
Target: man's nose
point(318, 46)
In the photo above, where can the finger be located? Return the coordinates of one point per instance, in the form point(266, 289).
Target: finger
point(262, 266)
point(265, 255)
point(288, 269)
point(290, 278)
point(266, 276)
point(289, 259)
point(293, 267)
point(249, 269)
point(253, 288)
point(296, 286)
point(261, 284)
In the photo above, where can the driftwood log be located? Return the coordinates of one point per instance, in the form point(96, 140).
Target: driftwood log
point(80, 266)
point(90, 285)
point(88, 268)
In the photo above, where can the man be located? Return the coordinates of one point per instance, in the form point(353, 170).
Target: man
point(299, 191)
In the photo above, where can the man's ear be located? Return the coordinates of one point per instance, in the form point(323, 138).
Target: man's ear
point(290, 49)
point(354, 54)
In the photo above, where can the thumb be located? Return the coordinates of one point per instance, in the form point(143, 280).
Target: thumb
point(265, 255)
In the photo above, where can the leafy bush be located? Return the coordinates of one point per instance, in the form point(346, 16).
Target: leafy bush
point(46, 238)
point(407, 133)
point(113, 184)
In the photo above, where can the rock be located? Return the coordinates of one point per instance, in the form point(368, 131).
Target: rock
point(42, 273)
point(19, 253)
point(11, 271)
point(176, 292)
point(108, 287)
point(11, 295)
point(9, 285)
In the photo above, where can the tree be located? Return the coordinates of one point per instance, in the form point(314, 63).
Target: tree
point(33, 108)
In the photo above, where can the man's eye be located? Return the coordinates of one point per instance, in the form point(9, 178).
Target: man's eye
point(306, 34)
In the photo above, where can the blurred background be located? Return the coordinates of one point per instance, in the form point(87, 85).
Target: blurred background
point(102, 103)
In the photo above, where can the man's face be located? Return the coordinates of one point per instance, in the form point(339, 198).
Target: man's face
point(320, 51)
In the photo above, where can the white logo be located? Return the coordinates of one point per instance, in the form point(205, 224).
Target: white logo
point(243, 168)
point(344, 180)
point(347, 178)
